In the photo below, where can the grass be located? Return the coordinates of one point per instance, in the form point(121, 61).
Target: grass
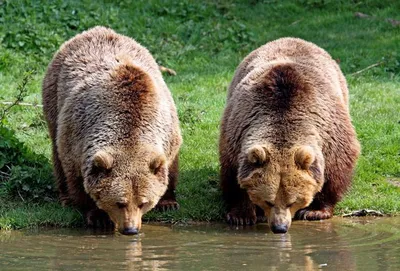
point(204, 41)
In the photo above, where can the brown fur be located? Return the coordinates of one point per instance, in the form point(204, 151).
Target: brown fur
point(287, 144)
point(114, 128)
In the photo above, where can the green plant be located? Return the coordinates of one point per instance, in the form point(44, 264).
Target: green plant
point(23, 173)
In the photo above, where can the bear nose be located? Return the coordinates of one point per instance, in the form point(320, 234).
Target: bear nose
point(279, 228)
point(130, 231)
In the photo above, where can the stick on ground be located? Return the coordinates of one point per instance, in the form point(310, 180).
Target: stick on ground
point(367, 68)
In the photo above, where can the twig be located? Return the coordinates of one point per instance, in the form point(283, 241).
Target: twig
point(364, 212)
point(21, 94)
point(2, 173)
point(362, 15)
point(22, 104)
point(393, 22)
point(367, 68)
point(296, 22)
point(20, 196)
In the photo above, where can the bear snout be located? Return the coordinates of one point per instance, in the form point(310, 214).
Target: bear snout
point(130, 231)
point(279, 228)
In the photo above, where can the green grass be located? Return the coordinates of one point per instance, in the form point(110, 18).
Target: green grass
point(204, 41)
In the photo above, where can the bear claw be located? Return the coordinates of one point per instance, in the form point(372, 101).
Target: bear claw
point(307, 214)
point(167, 205)
point(241, 220)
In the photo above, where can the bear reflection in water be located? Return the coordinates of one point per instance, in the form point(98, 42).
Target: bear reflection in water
point(337, 244)
point(208, 248)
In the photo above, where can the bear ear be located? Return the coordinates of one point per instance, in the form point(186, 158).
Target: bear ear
point(304, 157)
point(258, 154)
point(157, 163)
point(103, 159)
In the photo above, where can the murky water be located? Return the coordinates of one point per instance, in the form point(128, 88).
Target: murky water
point(336, 244)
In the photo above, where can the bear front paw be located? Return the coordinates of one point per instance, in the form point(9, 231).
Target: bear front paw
point(307, 214)
point(261, 219)
point(97, 218)
point(241, 216)
point(167, 205)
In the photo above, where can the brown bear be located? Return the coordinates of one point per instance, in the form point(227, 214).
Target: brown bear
point(287, 144)
point(114, 129)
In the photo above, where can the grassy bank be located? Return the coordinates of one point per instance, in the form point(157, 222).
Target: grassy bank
point(203, 43)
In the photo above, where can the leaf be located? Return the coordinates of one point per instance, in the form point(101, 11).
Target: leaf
point(25, 187)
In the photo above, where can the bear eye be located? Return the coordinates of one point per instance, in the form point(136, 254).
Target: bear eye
point(122, 205)
point(141, 206)
point(269, 203)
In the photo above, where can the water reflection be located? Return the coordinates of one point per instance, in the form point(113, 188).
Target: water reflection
point(331, 245)
point(138, 258)
point(310, 246)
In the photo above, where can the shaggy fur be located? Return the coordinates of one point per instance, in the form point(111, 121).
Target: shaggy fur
point(113, 126)
point(287, 144)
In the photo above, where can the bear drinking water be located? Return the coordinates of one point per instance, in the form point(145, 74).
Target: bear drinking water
point(287, 144)
point(114, 129)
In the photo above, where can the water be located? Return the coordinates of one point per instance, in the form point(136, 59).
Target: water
point(336, 244)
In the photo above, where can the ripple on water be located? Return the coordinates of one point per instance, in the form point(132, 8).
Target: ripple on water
point(333, 244)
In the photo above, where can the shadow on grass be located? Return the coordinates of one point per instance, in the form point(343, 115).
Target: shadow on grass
point(199, 196)
point(24, 175)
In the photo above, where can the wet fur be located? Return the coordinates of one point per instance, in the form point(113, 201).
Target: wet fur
point(287, 93)
point(104, 91)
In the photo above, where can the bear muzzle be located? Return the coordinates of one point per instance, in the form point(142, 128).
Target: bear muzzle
point(130, 231)
point(279, 228)
point(130, 222)
point(279, 219)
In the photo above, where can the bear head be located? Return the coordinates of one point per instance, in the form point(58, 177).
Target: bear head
point(281, 182)
point(127, 184)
